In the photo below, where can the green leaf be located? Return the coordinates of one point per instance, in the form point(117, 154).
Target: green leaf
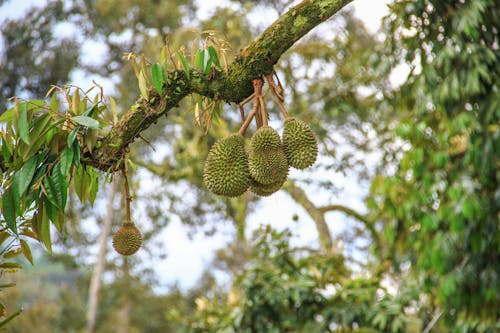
point(208, 66)
point(158, 76)
point(72, 136)
point(94, 185)
point(41, 225)
point(23, 125)
point(184, 63)
point(207, 62)
point(76, 154)
point(90, 110)
point(35, 104)
point(199, 60)
point(114, 108)
point(54, 214)
point(26, 251)
point(66, 160)
point(86, 121)
point(45, 231)
point(214, 57)
point(81, 181)
point(23, 177)
point(9, 209)
point(54, 104)
point(8, 116)
point(143, 87)
point(5, 149)
point(50, 209)
point(56, 187)
point(41, 126)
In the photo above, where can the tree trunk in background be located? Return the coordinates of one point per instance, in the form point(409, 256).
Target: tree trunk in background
point(95, 282)
point(123, 315)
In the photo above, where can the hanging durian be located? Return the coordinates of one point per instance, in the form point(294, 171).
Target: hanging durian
point(266, 190)
point(299, 143)
point(226, 168)
point(267, 161)
point(127, 240)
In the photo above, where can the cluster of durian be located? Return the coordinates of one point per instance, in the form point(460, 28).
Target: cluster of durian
point(230, 169)
point(127, 240)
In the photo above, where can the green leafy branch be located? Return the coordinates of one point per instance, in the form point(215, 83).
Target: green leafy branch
point(41, 151)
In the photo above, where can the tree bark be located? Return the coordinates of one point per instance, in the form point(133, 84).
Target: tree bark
point(95, 282)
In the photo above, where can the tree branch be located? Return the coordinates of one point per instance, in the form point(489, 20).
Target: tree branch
point(367, 222)
point(257, 59)
point(298, 194)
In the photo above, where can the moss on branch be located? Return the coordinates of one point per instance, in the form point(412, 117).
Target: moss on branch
point(257, 59)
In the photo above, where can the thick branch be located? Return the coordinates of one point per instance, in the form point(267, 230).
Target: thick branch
point(255, 60)
point(367, 222)
point(298, 194)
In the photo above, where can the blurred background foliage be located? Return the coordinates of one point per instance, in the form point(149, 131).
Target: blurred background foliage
point(423, 256)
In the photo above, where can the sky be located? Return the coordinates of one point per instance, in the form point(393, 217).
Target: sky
point(187, 257)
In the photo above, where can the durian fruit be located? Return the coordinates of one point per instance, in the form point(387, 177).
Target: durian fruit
point(267, 160)
point(299, 143)
point(226, 168)
point(127, 240)
point(266, 190)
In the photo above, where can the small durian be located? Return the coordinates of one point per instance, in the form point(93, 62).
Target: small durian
point(266, 190)
point(226, 168)
point(127, 240)
point(267, 161)
point(299, 143)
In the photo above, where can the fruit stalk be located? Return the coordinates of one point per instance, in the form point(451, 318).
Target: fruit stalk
point(277, 98)
point(128, 198)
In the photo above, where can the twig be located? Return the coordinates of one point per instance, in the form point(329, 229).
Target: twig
point(247, 121)
point(9, 318)
point(145, 140)
point(245, 101)
point(432, 322)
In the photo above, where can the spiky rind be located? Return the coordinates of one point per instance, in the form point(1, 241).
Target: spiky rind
point(268, 167)
point(267, 161)
point(265, 138)
point(266, 190)
point(299, 143)
point(127, 240)
point(226, 168)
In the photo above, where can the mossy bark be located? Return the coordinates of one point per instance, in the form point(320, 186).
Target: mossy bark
point(257, 59)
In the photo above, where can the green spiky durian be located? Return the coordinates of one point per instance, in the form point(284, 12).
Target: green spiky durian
point(226, 168)
point(266, 190)
point(265, 138)
point(127, 240)
point(267, 160)
point(299, 144)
